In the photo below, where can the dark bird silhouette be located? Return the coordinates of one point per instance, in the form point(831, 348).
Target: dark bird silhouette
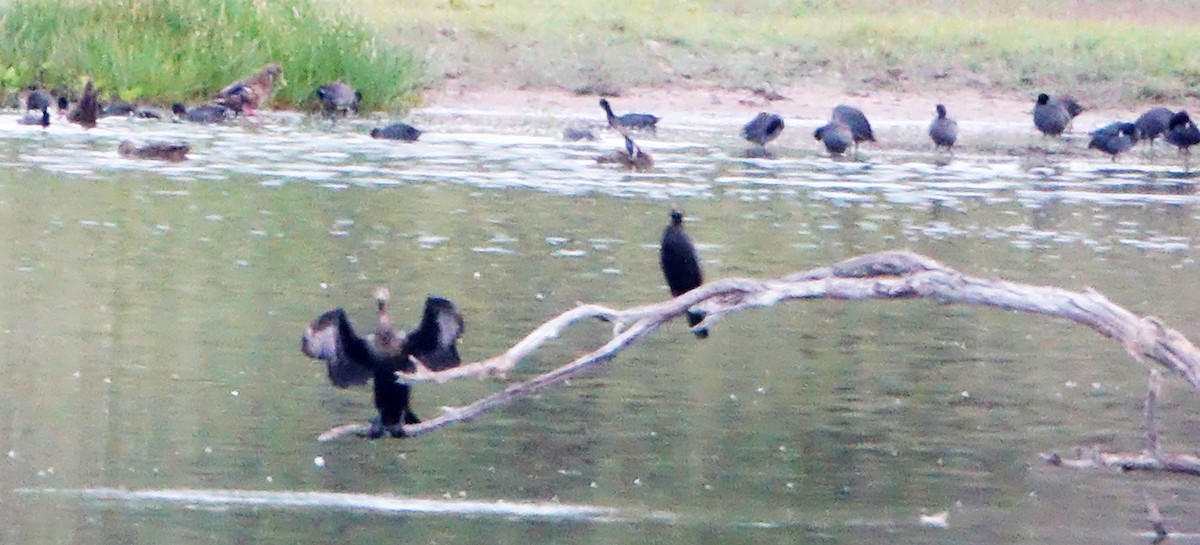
point(247, 95)
point(87, 110)
point(1050, 116)
point(763, 128)
point(39, 99)
point(119, 108)
point(397, 131)
point(164, 151)
point(836, 136)
point(631, 156)
point(1072, 106)
point(42, 118)
point(575, 134)
point(943, 130)
point(351, 359)
point(856, 120)
point(1114, 139)
point(338, 98)
point(629, 121)
point(1153, 124)
point(207, 113)
point(1183, 134)
point(677, 255)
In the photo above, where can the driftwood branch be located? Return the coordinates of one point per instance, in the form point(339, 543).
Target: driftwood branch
point(886, 275)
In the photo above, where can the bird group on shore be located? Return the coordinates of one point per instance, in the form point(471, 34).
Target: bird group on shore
point(848, 126)
point(846, 129)
point(238, 99)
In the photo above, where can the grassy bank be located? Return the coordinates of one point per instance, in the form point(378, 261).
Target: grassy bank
point(169, 50)
point(1109, 52)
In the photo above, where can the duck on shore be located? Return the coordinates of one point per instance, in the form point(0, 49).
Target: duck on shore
point(87, 110)
point(247, 95)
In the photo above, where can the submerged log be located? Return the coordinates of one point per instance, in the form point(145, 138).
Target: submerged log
point(885, 275)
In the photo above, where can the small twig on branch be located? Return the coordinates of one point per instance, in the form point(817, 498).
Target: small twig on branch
point(1154, 458)
point(1156, 521)
point(886, 275)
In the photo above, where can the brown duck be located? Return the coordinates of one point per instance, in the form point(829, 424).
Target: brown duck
point(87, 110)
point(246, 95)
point(163, 151)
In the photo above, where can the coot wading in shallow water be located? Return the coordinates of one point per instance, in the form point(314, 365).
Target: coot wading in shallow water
point(397, 131)
point(1050, 117)
point(677, 256)
point(338, 98)
point(247, 95)
point(1072, 106)
point(351, 360)
point(631, 156)
point(1183, 134)
point(1114, 139)
point(38, 99)
point(943, 130)
point(629, 121)
point(836, 136)
point(856, 121)
point(1153, 124)
point(87, 110)
point(163, 151)
point(764, 128)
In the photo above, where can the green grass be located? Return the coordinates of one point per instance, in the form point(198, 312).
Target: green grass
point(175, 50)
point(1105, 50)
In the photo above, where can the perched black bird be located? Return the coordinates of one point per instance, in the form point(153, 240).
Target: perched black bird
point(629, 121)
point(943, 130)
point(207, 113)
point(351, 359)
point(1114, 139)
point(1153, 124)
point(42, 119)
point(397, 131)
point(1183, 134)
point(763, 128)
point(338, 98)
point(163, 151)
point(856, 120)
point(836, 136)
point(87, 110)
point(677, 255)
point(631, 156)
point(1050, 116)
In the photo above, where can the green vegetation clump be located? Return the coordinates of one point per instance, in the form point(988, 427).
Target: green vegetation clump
point(175, 50)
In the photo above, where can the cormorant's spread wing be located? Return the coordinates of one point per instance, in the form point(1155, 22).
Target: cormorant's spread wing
point(328, 338)
point(435, 340)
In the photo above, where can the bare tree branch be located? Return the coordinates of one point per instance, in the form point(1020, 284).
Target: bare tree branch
point(886, 275)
